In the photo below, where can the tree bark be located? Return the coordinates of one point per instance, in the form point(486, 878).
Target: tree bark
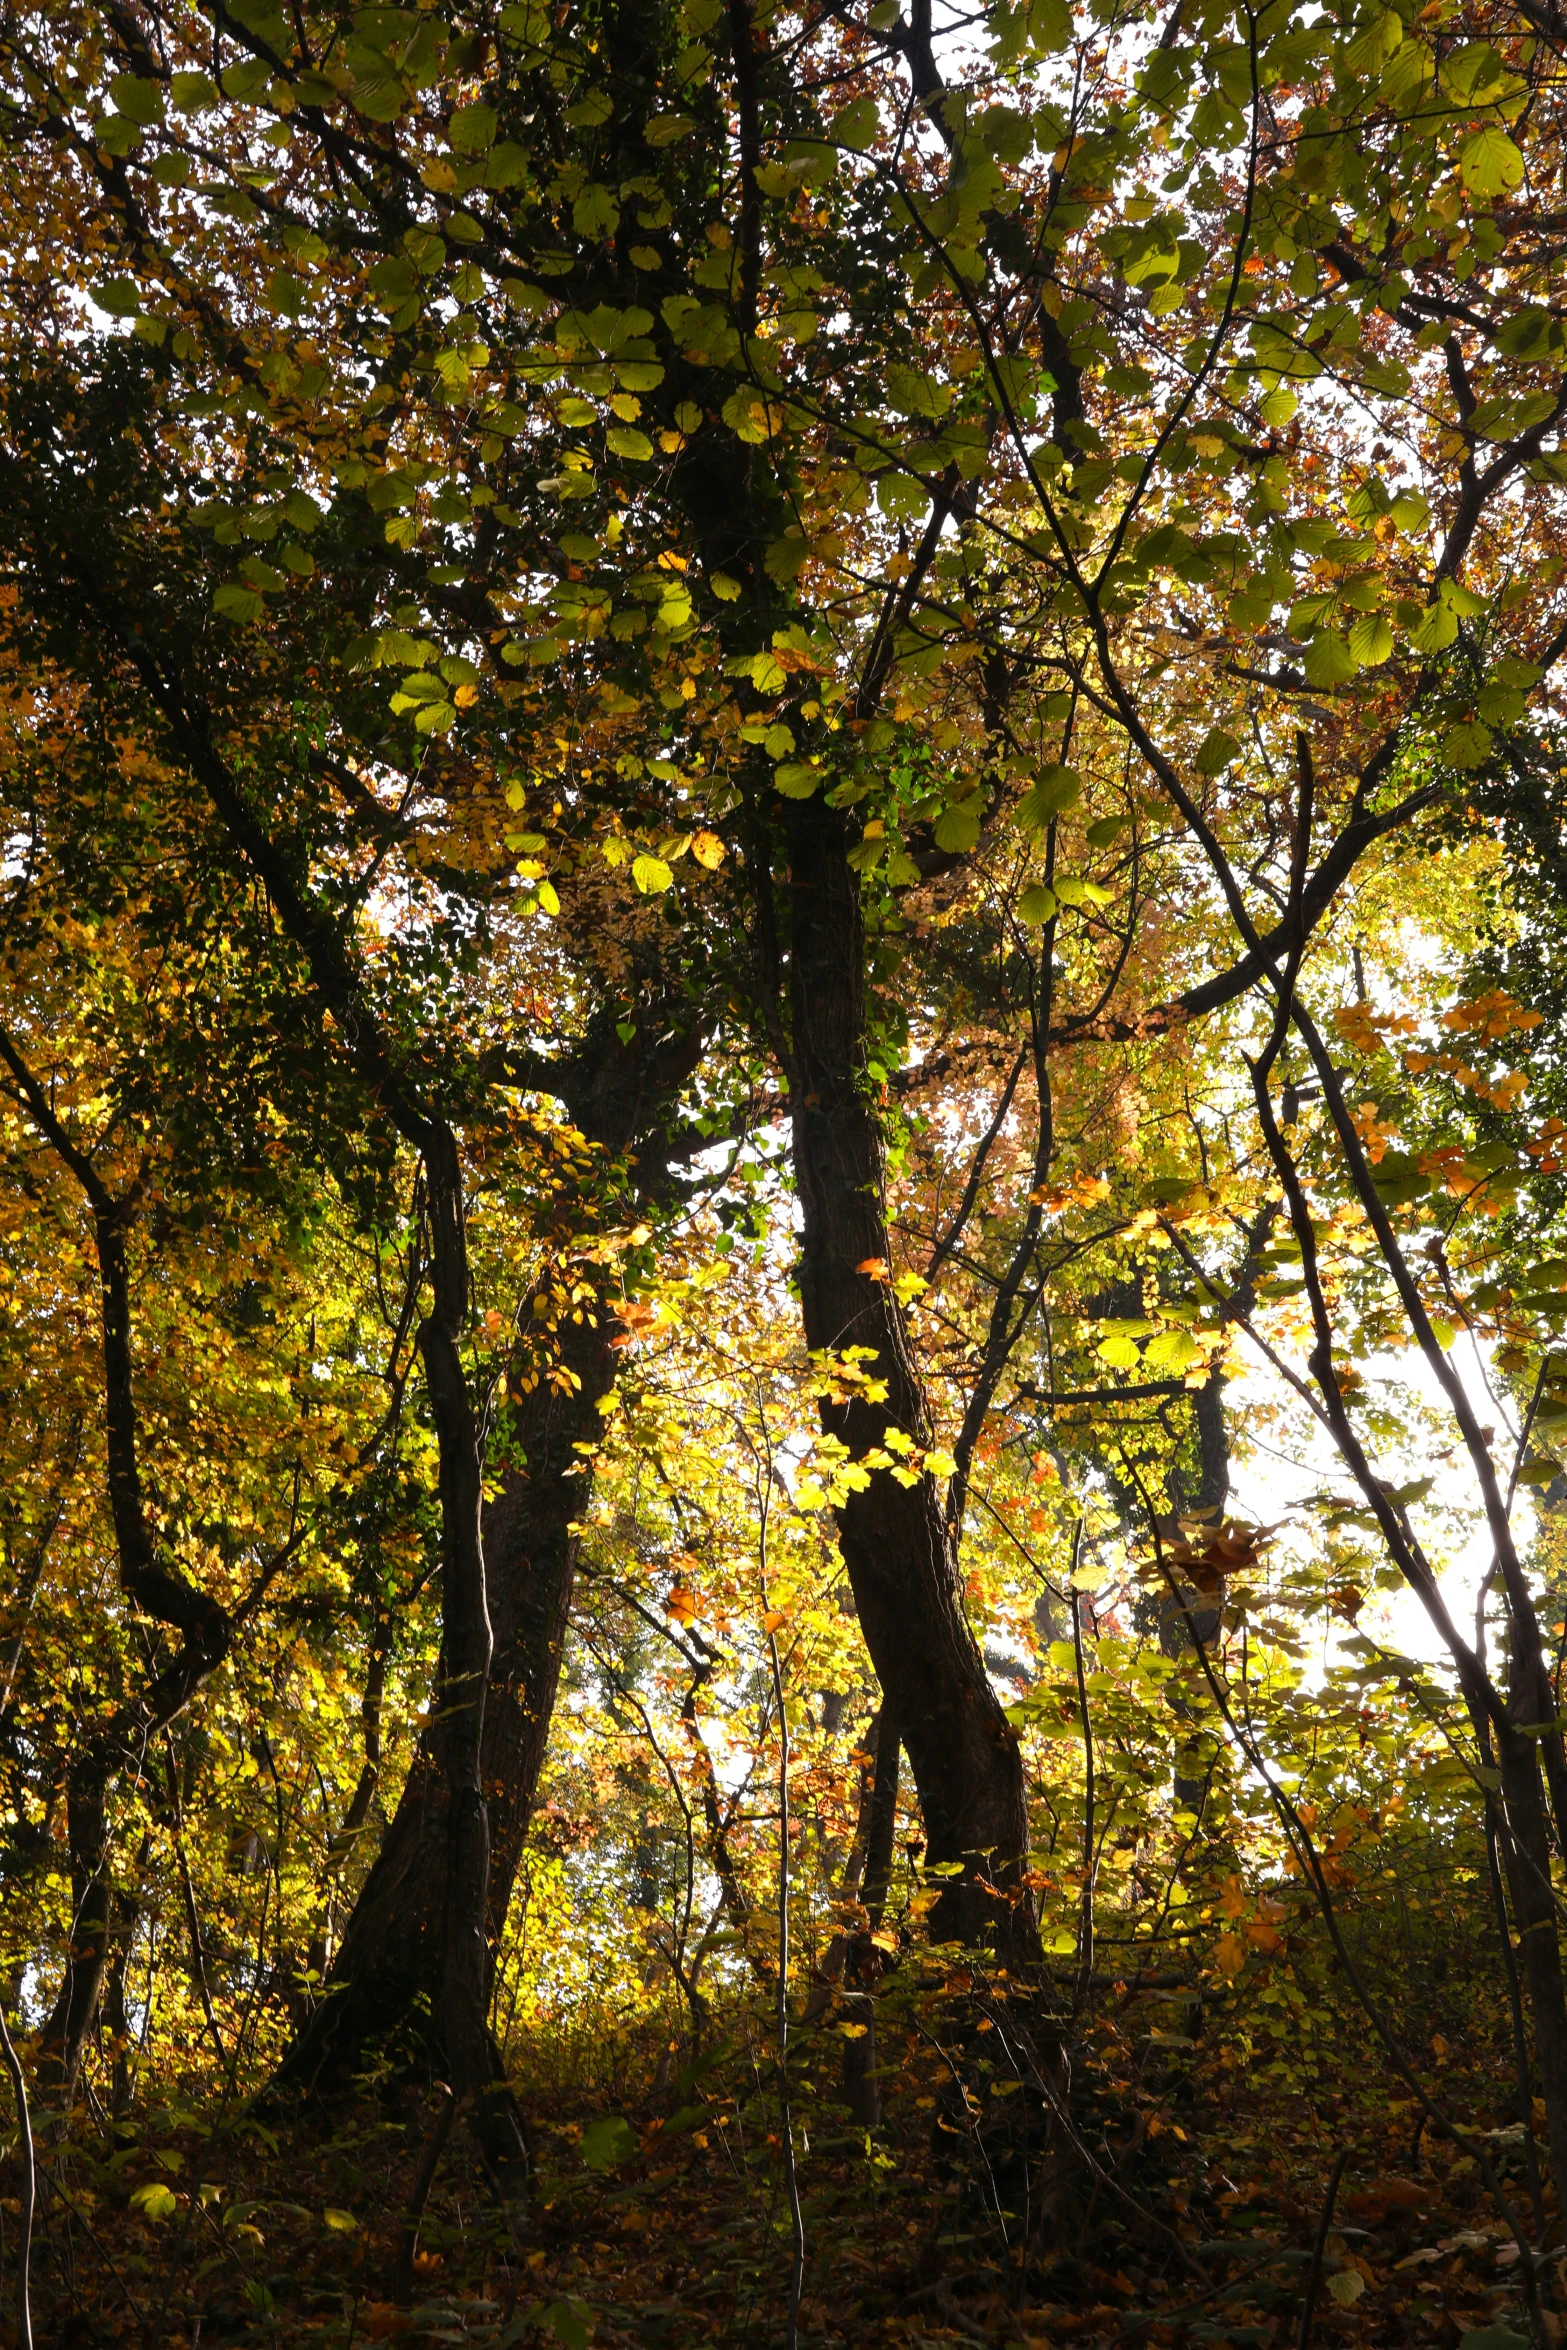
point(87, 1949)
point(622, 1095)
point(860, 2084)
point(386, 1960)
point(900, 1554)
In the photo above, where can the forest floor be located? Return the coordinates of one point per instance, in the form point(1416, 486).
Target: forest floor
point(1186, 2209)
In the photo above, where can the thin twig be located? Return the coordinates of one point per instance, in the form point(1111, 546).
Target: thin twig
point(1319, 2247)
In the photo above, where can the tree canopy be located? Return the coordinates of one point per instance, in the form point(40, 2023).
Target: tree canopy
point(781, 1171)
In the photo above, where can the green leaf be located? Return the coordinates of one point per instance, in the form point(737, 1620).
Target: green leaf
point(378, 94)
point(797, 779)
point(1329, 660)
point(472, 129)
point(121, 297)
point(155, 2201)
point(342, 2222)
point(246, 80)
point(139, 101)
point(1529, 334)
point(1216, 752)
point(611, 2141)
point(286, 292)
point(1489, 162)
point(1055, 789)
point(528, 21)
point(1173, 1351)
point(193, 93)
point(958, 827)
point(1435, 629)
point(855, 125)
point(595, 212)
point(1036, 904)
point(1469, 745)
point(1501, 705)
point(392, 281)
point(751, 417)
point(116, 134)
point(625, 441)
point(238, 603)
point(1371, 640)
point(651, 875)
point(570, 2321)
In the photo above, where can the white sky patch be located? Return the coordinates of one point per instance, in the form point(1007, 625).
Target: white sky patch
point(1280, 1470)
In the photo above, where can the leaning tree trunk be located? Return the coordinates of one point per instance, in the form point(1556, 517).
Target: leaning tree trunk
point(899, 1551)
point(388, 1958)
point(621, 1093)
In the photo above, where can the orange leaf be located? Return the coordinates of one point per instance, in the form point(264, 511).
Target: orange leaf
point(773, 1618)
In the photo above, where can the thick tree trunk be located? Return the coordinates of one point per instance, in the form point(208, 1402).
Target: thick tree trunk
point(899, 1552)
point(388, 1955)
point(1534, 1908)
point(467, 1645)
point(616, 1090)
point(87, 1952)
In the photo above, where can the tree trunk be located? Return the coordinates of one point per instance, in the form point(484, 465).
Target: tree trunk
point(87, 1951)
point(860, 2084)
point(1187, 1614)
point(387, 1957)
point(901, 1557)
point(617, 1090)
point(1534, 1907)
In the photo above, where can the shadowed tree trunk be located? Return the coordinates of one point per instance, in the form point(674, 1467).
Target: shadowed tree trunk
point(150, 1579)
point(387, 1958)
point(88, 1945)
point(618, 1093)
point(863, 1965)
point(901, 1555)
point(1186, 1611)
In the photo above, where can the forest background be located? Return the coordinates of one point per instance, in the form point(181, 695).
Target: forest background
point(782, 850)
